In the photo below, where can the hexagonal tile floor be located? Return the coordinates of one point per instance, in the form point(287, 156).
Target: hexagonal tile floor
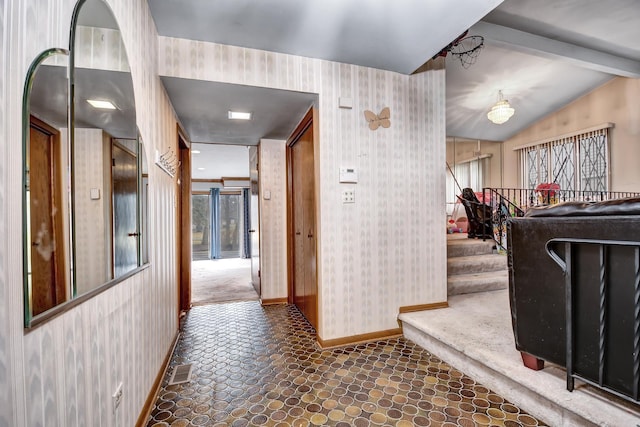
point(255, 365)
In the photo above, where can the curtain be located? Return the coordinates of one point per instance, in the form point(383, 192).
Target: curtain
point(214, 200)
point(246, 239)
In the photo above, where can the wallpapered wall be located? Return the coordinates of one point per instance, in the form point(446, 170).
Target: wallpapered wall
point(273, 219)
point(388, 249)
point(64, 372)
point(616, 102)
point(93, 257)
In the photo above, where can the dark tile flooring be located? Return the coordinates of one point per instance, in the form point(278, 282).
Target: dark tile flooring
point(255, 365)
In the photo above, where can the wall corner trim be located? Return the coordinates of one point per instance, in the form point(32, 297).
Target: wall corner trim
point(422, 307)
point(359, 339)
point(274, 301)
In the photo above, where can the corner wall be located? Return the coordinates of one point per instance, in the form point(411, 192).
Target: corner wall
point(617, 102)
point(387, 250)
point(273, 219)
point(64, 372)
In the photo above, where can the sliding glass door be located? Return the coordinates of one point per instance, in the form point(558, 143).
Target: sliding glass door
point(219, 227)
point(200, 226)
point(230, 224)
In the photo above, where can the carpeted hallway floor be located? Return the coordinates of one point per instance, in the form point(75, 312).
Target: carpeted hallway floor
point(221, 280)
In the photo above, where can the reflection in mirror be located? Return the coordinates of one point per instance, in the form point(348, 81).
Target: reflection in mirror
point(144, 204)
point(84, 169)
point(45, 199)
point(105, 152)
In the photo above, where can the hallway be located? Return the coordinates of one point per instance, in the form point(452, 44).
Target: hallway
point(221, 280)
point(255, 365)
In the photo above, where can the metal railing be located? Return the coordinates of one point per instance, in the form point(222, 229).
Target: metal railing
point(514, 202)
point(631, 379)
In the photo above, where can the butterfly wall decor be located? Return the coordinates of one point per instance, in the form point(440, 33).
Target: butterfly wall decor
point(382, 119)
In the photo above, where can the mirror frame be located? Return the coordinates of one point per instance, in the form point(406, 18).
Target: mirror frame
point(26, 141)
point(31, 321)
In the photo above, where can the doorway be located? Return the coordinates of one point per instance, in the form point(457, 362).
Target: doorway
point(44, 195)
point(220, 224)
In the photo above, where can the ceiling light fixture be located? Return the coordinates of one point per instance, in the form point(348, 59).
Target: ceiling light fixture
point(238, 115)
point(195, 151)
point(501, 112)
point(103, 105)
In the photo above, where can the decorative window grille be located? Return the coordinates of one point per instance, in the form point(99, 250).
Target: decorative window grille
point(578, 162)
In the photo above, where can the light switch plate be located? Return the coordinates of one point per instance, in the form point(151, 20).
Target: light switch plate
point(348, 196)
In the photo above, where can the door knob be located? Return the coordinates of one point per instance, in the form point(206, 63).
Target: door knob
point(297, 233)
point(133, 234)
point(309, 235)
point(252, 231)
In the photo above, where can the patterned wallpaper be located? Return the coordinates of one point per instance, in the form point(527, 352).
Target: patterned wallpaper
point(64, 372)
point(273, 219)
point(91, 247)
point(386, 250)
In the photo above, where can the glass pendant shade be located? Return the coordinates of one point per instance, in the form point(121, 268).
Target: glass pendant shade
point(501, 112)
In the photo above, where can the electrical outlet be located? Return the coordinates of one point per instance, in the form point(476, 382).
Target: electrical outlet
point(117, 397)
point(348, 196)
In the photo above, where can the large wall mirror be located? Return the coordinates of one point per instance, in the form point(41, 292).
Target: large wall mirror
point(85, 168)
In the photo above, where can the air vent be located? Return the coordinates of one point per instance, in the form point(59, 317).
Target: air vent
point(181, 374)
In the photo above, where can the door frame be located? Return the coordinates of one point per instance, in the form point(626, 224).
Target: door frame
point(62, 290)
point(183, 218)
point(309, 119)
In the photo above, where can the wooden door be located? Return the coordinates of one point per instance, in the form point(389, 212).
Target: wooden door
point(303, 286)
point(48, 278)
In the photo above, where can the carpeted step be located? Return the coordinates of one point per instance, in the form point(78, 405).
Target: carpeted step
point(477, 282)
point(476, 264)
point(466, 247)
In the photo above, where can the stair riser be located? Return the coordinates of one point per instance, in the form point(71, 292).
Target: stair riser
point(468, 250)
point(455, 267)
point(470, 286)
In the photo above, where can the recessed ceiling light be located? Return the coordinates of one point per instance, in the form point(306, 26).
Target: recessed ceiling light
point(195, 151)
point(200, 169)
point(104, 105)
point(238, 115)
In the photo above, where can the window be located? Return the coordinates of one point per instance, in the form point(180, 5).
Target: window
point(576, 162)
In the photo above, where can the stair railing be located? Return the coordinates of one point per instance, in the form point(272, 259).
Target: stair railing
point(514, 202)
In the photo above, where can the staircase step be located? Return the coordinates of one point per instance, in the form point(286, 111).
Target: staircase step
point(474, 334)
point(465, 247)
point(477, 282)
point(476, 264)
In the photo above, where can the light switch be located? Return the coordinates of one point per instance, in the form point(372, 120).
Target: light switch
point(94, 193)
point(266, 195)
point(348, 196)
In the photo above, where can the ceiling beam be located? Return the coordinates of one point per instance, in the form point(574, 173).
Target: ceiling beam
point(592, 59)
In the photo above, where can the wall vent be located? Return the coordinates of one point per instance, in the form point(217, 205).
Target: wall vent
point(181, 374)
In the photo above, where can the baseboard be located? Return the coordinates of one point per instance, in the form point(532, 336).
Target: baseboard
point(422, 307)
point(359, 339)
point(274, 301)
point(153, 393)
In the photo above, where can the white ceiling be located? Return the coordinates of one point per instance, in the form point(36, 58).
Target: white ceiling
point(542, 54)
point(203, 110)
point(219, 161)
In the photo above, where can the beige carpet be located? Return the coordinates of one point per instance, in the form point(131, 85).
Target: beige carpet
point(221, 280)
